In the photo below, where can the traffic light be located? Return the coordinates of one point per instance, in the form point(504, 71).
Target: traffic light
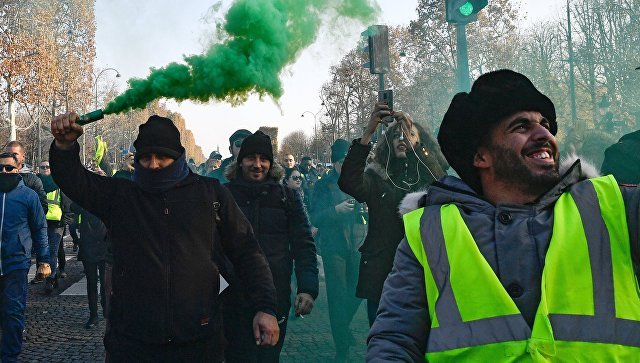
point(464, 11)
point(378, 49)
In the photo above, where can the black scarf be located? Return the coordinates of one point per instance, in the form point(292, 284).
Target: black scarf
point(158, 181)
point(8, 182)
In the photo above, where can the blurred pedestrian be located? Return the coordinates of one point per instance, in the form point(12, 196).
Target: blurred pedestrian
point(342, 227)
point(164, 228)
point(58, 215)
point(22, 224)
point(282, 228)
point(213, 163)
point(235, 141)
point(94, 253)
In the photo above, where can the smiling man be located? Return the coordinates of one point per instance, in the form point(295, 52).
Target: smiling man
point(517, 259)
point(282, 228)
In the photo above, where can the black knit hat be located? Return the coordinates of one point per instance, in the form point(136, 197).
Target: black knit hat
point(158, 135)
point(258, 143)
point(339, 150)
point(472, 116)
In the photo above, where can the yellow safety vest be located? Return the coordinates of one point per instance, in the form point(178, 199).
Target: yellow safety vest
point(590, 304)
point(55, 211)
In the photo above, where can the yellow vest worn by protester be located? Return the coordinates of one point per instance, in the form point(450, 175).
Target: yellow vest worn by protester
point(55, 211)
point(590, 304)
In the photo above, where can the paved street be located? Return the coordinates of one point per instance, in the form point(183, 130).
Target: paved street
point(55, 326)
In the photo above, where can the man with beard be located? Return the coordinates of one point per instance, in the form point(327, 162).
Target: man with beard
point(517, 260)
point(167, 229)
point(282, 228)
point(406, 159)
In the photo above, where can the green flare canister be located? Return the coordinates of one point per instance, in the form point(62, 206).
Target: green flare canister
point(90, 117)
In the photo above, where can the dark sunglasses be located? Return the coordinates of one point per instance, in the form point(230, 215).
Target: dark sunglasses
point(45, 167)
point(296, 178)
point(8, 168)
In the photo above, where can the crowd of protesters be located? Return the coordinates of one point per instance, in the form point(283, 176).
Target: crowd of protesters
point(208, 263)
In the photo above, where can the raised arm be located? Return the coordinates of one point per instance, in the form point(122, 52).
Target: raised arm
point(91, 191)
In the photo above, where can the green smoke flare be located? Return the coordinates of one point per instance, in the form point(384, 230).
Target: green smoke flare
point(264, 36)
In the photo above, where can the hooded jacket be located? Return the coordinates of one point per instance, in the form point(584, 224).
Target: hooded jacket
point(370, 183)
point(165, 279)
point(22, 224)
point(282, 229)
point(515, 248)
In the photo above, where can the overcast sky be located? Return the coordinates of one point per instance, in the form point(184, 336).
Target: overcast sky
point(133, 36)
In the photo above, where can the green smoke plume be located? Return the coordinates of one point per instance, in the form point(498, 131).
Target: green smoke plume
point(264, 36)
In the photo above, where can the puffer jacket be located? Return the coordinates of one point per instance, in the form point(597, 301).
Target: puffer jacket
point(22, 224)
point(165, 276)
point(371, 184)
point(402, 325)
point(282, 229)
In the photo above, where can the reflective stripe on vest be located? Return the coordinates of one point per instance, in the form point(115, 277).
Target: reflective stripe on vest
point(55, 212)
point(590, 304)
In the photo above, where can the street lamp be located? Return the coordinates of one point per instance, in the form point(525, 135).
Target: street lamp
point(95, 106)
point(315, 128)
point(95, 84)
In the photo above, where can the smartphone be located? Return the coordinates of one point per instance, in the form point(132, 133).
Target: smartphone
point(386, 96)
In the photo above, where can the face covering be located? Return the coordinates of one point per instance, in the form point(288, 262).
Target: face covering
point(161, 180)
point(8, 182)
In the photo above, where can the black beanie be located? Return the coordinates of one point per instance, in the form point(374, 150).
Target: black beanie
point(472, 116)
point(158, 135)
point(339, 150)
point(258, 143)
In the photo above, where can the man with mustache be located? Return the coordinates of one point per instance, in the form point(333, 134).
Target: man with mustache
point(282, 228)
point(518, 259)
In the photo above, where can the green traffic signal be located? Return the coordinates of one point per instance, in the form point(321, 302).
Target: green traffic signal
point(466, 9)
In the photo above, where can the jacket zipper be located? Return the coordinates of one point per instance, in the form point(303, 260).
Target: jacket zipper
point(4, 198)
point(168, 274)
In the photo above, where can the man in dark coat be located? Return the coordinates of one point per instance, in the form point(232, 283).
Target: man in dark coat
point(164, 228)
point(622, 159)
point(342, 226)
point(406, 159)
point(93, 253)
point(235, 141)
point(282, 228)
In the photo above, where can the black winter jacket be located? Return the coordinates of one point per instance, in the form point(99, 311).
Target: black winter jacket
point(386, 230)
point(165, 280)
point(94, 246)
point(283, 231)
point(337, 233)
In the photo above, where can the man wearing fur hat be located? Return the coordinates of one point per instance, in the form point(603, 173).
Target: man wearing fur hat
point(283, 231)
point(519, 259)
point(165, 228)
